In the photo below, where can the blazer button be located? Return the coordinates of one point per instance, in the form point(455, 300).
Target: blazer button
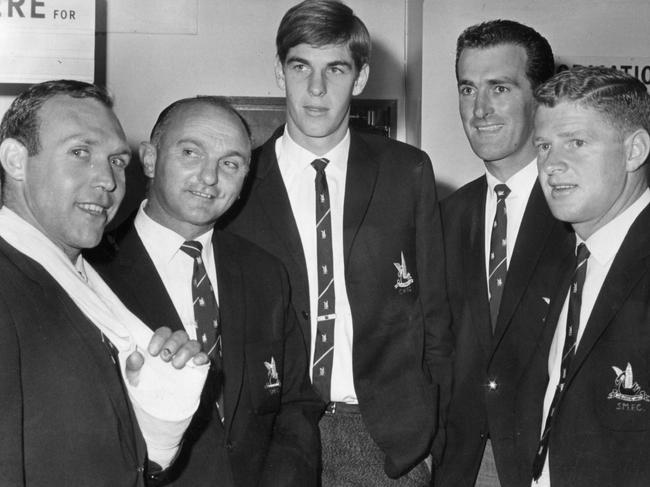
point(229, 446)
point(493, 385)
point(305, 315)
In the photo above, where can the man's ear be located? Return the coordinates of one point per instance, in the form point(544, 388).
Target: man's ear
point(148, 155)
point(279, 73)
point(637, 148)
point(362, 79)
point(13, 157)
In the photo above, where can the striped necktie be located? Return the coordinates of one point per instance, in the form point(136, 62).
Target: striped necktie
point(324, 346)
point(568, 351)
point(498, 263)
point(206, 310)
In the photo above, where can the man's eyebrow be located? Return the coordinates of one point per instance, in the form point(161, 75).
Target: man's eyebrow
point(505, 80)
point(82, 138)
point(123, 152)
point(338, 62)
point(573, 133)
point(188, 140)
point(235, 153)
point(230, 153)
point(296, 59)
point(94, 141)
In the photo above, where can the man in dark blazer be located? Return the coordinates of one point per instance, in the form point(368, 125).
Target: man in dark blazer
point(258, 419)
point(591, 428)
point(66, 416)
point(391, 343)
point(498, 65)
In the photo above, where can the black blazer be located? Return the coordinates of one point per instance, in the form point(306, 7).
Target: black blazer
point(401, 339)
point(65, 419)
point(600, 436)
point(478, 410)
point(266, 439)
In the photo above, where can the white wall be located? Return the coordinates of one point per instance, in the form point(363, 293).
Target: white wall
point(574, 28)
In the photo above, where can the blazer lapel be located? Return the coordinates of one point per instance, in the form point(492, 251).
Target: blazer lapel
point(275, 203)
point(474, 266)
point(230, 287)
point(146, 292)
point(359, 186)
point(536, 227)
point(629, 266)
point(107, 373)
point(85, 340)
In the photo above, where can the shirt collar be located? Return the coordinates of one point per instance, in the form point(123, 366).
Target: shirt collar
point(520, 183)
point(293, 158)
point(162, 243)
point(604, 243)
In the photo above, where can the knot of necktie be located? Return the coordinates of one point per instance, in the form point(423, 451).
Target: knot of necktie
point(192, 248)
point(320, 164)
point(502, 191)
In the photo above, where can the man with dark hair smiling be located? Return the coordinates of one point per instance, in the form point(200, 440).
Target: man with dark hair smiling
point(591, 428)
point(354, 219)
point(501, 245)
point(66, 341)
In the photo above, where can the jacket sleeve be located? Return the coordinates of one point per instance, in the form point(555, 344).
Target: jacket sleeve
point(438, 340)
point(294, 453)
point(11, 404)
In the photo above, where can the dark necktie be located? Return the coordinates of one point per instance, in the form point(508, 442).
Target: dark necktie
point(206, 310)
point(498, 266)
point(206, 316)
point(324, 347)
point(568, 351)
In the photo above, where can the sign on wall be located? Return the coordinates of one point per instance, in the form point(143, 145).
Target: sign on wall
point(634, 66)
point(46, 39)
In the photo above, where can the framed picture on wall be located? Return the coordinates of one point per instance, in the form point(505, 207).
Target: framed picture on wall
point(265, 114)
point(46, 39)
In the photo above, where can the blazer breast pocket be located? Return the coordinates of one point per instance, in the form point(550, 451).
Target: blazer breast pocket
point(622, 388)
point(264, 364)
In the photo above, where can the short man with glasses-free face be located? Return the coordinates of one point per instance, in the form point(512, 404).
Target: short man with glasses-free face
point(502, 245)
point(257, 424)
point(354, 219)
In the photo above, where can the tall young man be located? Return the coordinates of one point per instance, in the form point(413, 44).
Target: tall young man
point(354, 219)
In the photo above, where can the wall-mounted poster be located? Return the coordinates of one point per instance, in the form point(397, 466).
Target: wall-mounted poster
point(638, 67)
point(46, 39)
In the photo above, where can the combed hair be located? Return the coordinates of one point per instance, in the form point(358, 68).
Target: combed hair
point(622, 99)
point(320, 23)
point(21, 121)
point(540, 64)
point(217, 101)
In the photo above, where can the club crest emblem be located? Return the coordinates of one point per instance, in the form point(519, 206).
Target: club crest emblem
point(272, 382)
point(404, 279)
point(625, 388)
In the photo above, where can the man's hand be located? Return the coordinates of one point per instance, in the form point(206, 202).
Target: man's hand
point(174, 347)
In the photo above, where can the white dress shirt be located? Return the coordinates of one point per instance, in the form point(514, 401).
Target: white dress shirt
point(299, 176)
point(174, 266)
point(603, 246)
point(520, 184)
